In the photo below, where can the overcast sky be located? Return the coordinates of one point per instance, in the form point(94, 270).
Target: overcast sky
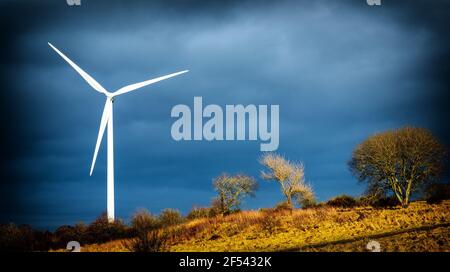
point(340, 71)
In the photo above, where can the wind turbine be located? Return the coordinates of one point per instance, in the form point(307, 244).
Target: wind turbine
point(107, 120)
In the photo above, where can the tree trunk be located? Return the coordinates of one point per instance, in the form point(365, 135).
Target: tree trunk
point(222, 204)
point(289, 201)
point(407, 193)
point(398, 191)
point(399, 197)
point(405, 201)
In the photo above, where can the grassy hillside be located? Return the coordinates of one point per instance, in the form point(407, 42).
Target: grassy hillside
point(420, 227)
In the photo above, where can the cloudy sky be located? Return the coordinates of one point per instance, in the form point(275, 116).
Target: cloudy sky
point(339, 70)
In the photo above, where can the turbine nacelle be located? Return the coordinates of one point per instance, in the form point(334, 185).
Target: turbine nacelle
point(110, 97)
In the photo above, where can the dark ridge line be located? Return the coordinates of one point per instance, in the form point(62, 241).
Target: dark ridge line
point(373, 236)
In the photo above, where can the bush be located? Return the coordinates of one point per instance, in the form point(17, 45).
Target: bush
point(13, 238)
point(216, 208)
point(305, 196)
point(366, 200)
point(307, 199)
point(144, 221)
point(169, 217)
point(282, 206)
point(269, 223)
point(63, 235)
point(101, 230)
point(198, 212)
point(153, 241)
point(437, 192)
point(23, 238)
point(342, 201)
point(279, 207)
point(384, 202)
point(42, 241)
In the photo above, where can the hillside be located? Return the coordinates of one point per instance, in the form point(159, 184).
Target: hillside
point(420, 227)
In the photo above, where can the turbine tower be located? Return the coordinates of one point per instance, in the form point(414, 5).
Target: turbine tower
point(107, 120)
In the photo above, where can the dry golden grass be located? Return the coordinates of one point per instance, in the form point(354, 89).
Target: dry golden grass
point(420, 227)
point(430, 240)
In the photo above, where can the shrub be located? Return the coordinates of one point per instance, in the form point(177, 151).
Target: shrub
point(80, 230)
point(378, 200)
point(437, 192)
point(42, 241)
point(366, 200)
point(198, 212)
point(144, 221)
point(23, 238)
point(216, 208)
point(342, 201)
point(66, 233)
point(282, 206)
point(101, 230)
point(384, 202)
point(306, 197)
point(269, 223)
point(169, 217)
point(153, 241)
point(13, 238)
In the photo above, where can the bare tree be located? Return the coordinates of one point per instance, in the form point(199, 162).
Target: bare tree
point(291, 176)
point(232, 189)
point(400, 161)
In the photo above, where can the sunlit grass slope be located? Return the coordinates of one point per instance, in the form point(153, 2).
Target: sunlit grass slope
point(420, 227)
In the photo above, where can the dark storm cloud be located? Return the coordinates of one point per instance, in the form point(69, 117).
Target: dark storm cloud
point(339, 71)
point(434, 17)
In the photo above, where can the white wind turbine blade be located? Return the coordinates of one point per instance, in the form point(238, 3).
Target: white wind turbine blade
point(94, 84)
point(135, 86)
point(103, 122)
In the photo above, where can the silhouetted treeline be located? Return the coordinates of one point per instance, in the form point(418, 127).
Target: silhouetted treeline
point(24, 238)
